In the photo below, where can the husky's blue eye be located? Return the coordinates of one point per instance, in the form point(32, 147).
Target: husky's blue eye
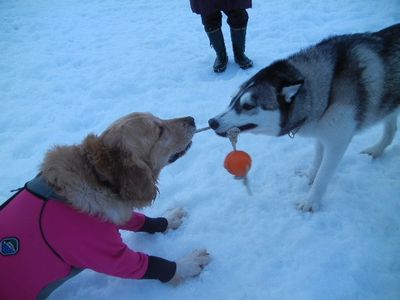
point(248, 106)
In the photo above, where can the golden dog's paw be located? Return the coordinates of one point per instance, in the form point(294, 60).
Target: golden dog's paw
point(191, 265)
point(174, 217)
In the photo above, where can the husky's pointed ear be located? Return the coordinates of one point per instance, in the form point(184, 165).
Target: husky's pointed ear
point(290, 91)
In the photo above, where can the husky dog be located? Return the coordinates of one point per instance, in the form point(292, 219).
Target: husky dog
point(329, 91)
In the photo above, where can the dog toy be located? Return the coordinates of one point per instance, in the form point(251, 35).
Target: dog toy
point(238, 162)
point(202, 129)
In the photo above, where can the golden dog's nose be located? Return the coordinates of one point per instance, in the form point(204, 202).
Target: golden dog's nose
point(190, 121)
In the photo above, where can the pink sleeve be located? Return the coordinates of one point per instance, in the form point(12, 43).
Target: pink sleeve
point(109, 257)
point(135, 223)
point(88, 242)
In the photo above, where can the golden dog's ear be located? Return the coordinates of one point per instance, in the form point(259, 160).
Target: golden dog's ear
point(136, 182)
point(116, 168)
point(100, 158)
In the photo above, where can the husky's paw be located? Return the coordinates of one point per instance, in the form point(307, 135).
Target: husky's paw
point(175, 217)
point(373, 151)
point(308, 206)
point(191, 265)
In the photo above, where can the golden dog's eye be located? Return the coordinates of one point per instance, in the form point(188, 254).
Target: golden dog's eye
point(161, 131)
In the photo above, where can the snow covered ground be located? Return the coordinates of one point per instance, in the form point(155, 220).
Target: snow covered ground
point(70, 67)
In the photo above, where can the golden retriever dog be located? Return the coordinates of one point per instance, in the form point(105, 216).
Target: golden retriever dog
point(83, 196)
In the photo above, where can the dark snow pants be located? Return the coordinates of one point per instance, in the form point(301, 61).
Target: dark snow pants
point(237, 18)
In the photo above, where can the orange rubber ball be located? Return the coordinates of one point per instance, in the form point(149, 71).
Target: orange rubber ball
point(238, 163)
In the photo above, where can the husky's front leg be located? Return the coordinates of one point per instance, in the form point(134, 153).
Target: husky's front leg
point(331, 152)
point(319, 153)
point(312, 171)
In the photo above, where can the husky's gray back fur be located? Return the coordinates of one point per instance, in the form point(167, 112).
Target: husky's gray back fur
point(363, 69)
point(366, 64)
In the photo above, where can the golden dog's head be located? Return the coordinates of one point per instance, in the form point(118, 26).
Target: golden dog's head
point(129, 155)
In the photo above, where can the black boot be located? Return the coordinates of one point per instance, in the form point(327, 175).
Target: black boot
point(238, 36)
point(217, 42)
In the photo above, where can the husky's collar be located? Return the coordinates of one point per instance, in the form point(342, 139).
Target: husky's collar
point(291, 133)
point(287, 124)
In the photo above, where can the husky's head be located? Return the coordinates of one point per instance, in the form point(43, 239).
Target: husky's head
point(263, 103)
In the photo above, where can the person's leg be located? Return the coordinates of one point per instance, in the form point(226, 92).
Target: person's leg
point(212, 21)
point(237, 20)
point(212, 25)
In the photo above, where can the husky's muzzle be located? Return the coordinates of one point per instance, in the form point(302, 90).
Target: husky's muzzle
point(215, 125)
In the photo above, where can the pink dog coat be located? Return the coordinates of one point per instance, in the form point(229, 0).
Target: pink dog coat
point(43, 242)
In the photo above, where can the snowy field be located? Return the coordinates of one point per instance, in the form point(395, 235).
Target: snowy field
point(70, 67)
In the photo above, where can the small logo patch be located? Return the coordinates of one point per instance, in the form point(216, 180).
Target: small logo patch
point(9, 246)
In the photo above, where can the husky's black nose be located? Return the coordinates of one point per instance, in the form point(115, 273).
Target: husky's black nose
point(214, 124)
